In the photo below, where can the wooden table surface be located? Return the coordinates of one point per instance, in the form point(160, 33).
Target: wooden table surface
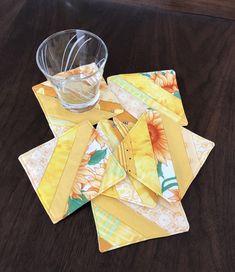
point(202, 51)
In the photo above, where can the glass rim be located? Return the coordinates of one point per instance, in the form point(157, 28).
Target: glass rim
point(77, 77)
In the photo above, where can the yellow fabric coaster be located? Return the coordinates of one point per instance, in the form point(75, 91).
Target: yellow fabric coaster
point(60, 119)
point(122, 218)
point(72, 170)
point(120, 223)
point(157, 90)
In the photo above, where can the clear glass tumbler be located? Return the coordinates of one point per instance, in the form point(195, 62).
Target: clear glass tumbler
point(73, 61)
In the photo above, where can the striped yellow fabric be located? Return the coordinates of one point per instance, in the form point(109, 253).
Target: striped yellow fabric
point(110, 107)
point(111, 133)
point(126, 156)
point(113, 230)
point(54, 171)
point(120, 154)
point(148, 197)
point(52, 107)
point(57, 181)
point(127, 118)
point(123, 129)
point(83, 134)
point(111, 192)
point(179, 157)
point(163, 104)
point(161, 96)
point(129, 217)
point(113, 174)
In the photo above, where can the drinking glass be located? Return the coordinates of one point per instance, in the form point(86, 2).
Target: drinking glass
point(73, 62)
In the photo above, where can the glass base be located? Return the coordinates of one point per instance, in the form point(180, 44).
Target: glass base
point(78, 108)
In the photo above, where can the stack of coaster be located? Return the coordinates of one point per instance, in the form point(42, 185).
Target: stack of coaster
point(134, 167)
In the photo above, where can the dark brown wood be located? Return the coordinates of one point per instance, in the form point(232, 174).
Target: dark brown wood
point(201, 50)
point(216, 8)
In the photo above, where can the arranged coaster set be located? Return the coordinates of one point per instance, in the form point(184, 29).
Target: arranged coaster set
point(134, 166)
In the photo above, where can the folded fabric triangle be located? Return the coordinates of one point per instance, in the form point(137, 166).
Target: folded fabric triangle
point(145, 155)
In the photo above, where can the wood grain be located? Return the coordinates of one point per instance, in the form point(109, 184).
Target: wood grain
point(201, 50)
point(215, 8)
